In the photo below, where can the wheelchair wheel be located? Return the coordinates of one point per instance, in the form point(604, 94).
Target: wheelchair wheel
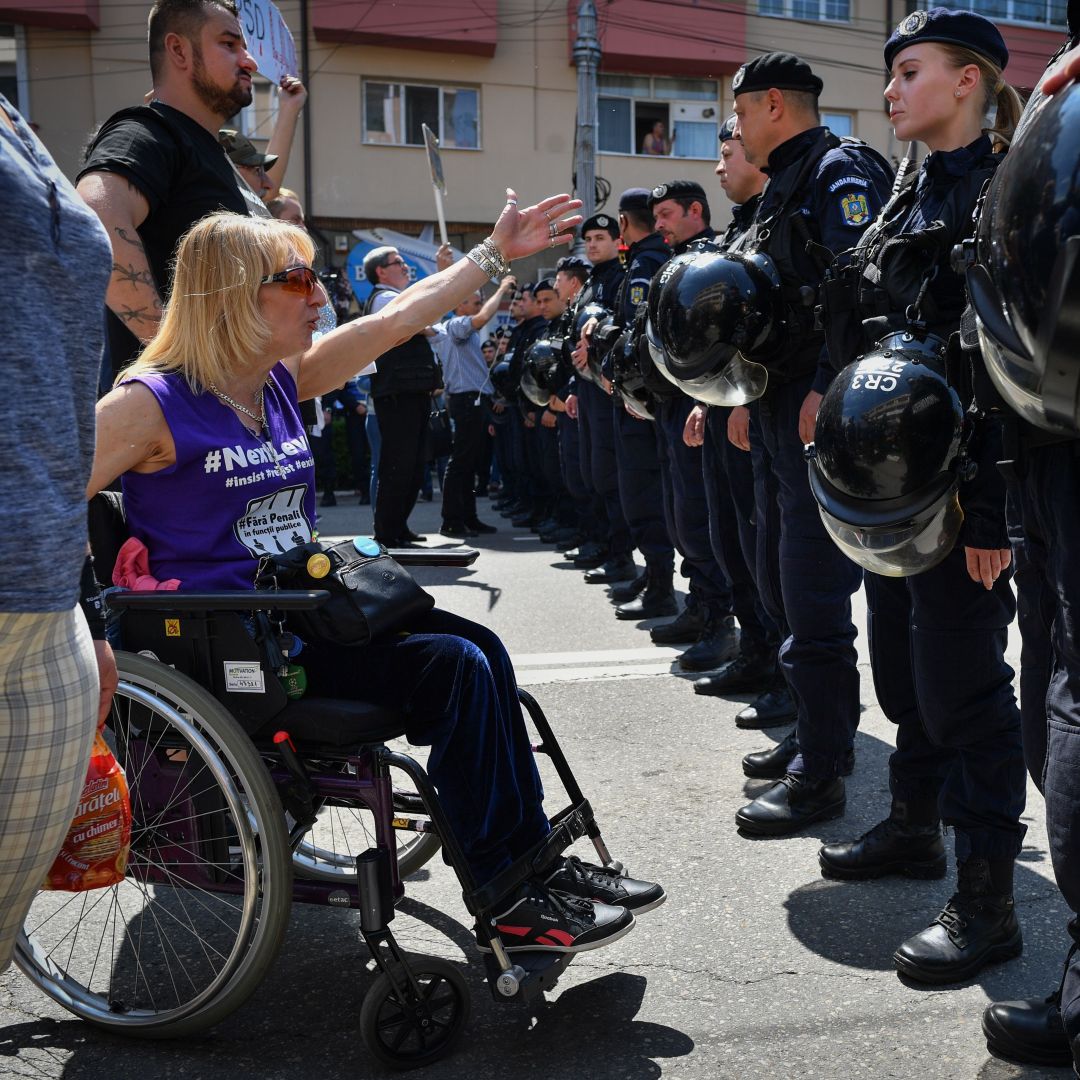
point(407, 1031)
point(328, 852)
point(191, 931)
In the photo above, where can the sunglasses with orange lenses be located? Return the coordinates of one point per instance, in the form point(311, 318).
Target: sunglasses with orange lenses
point(295, 279)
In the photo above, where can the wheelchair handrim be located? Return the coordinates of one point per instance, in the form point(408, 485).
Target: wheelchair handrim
point(66, 990)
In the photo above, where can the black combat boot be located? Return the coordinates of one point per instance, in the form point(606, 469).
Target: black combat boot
point(718, 643)
point(655, 602)
point(907, 843)
point(625, 591)
point(976, 927)
point(1030, 1031)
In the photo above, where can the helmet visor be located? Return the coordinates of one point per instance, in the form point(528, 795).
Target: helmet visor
point(905, 549)
point(531, 389)
point(634, 406)
point(738, 383)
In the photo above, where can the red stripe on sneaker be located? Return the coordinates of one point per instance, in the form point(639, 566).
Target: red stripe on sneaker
point(561, 937)
point(545, 940)
point(514, 931)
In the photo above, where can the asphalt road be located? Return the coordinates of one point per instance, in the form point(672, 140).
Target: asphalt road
point(756, 967)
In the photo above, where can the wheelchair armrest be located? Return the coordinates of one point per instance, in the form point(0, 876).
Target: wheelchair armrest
point(238, 600)
point(457, 556)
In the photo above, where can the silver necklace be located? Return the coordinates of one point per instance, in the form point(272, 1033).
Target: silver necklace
point(259, 418)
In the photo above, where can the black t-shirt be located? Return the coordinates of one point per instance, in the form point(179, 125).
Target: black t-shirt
point(184, 174)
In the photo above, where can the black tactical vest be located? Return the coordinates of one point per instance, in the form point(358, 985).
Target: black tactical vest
point(408, 368)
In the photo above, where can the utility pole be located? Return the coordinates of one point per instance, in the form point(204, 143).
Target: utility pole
point(587, 60)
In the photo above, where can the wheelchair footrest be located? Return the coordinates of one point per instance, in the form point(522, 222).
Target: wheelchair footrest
point(531, 975)
point(571, 825)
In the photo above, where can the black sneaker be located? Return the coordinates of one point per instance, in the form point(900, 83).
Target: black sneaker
point(598, 883)
point(535, 919)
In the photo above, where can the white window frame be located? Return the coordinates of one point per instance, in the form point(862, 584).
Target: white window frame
point(980, 9)
point(246, 117)
point(788, 13)
point(826, 113)
point(442, 89)
point(654, 99)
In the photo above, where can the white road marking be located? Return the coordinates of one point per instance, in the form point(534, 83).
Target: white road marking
point(594, 656)
point(536, 676)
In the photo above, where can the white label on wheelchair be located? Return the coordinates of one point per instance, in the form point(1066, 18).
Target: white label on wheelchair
point(244, 677)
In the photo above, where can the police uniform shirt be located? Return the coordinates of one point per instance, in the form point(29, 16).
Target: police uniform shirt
point(604, 283)
point(741, 216)
point(845, 193)
point(644, 258)
point(697, 240)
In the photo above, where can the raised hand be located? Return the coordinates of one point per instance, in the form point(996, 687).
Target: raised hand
point(519, 233)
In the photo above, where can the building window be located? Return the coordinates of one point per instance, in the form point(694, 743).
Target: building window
point(839, 123)
point(809, 10)
point(394, 114)
point(14, 83)
point(632, 107)
point(258, 119)
point(1032, 12)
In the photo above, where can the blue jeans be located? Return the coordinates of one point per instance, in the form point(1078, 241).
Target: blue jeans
point(454, 682)
point(374, 438)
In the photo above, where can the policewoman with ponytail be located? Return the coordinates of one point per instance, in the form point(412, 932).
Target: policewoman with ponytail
point(904, 469)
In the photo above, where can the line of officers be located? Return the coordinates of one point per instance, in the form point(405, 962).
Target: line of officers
point(852, 385)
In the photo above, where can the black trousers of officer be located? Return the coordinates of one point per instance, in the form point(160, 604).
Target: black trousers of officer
point(403, 420)
point(688, 510)
point(937, 649)
point(551, 463)
point(810, 585)
point(579, 496)
point(1049, 482)
point(599, 529)
point(468, 414)
point(598, 428)
point(540, 493)
point(641, 490)
point(728, 475)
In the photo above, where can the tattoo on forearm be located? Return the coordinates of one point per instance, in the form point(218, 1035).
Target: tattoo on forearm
point(134, 241)
point(132, 315)
point(133, 276)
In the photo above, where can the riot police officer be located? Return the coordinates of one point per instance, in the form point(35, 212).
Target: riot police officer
point(822, 194)
point(683, 217)
point(729, 492)
point(600, 234)
point(637, 455)
point(939, 599)
point(1026, 241)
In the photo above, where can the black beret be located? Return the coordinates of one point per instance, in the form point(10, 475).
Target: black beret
point(727, 129)
point(635, 198)
point(542, 284)
point(775, 71)
point(678, 189)
point(572, 262)
point(601, 221)
point(949, 27)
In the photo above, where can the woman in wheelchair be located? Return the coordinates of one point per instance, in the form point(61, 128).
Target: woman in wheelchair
point(204, 432)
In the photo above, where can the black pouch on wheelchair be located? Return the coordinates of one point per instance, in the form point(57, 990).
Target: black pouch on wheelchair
point(370, 594)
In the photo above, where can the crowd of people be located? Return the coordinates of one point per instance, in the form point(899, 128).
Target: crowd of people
point(657, 394)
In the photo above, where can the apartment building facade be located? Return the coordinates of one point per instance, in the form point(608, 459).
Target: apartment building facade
point(496, 80)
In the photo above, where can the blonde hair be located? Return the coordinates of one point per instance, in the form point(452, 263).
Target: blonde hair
point(212, 326)
point(999, 97)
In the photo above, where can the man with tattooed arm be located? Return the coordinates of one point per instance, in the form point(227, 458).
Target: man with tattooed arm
point(153, 170)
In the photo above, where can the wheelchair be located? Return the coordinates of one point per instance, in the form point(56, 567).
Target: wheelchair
point(245, 801)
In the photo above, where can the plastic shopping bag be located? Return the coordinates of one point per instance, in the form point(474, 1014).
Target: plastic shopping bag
point(95, 851)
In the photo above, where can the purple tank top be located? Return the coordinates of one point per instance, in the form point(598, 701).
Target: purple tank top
point(231, 496)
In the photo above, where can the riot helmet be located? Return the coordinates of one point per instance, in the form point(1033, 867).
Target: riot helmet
point(887, 459)
point(715, 316)
point(1025, 283)
point(628, 380)
point(503, 381)
point(586, 312)
point(544, 372)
